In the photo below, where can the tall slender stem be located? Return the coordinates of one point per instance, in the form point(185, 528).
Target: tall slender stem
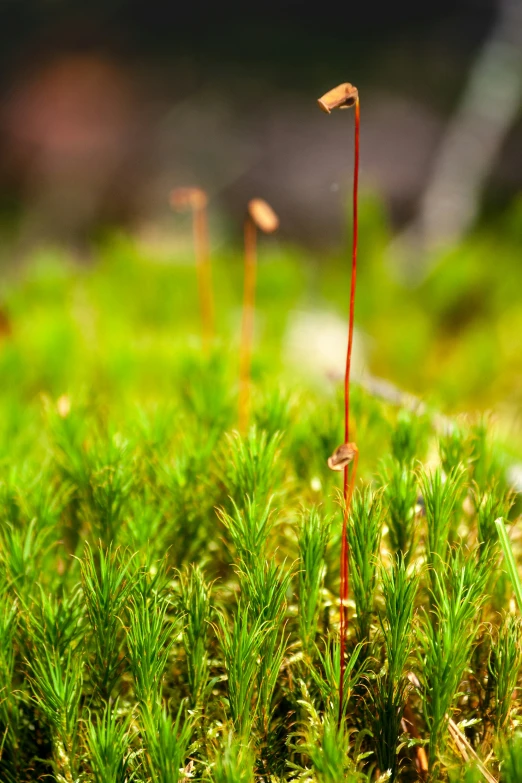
point(201, 245)
point(247, 328)
point(349, 475)
point(354, 275)
point(196, 200)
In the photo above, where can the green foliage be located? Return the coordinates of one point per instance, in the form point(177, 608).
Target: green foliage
point(108, 742)
point(326, 676)
point(195, 603)
point(274, 413)
point(57, 687)
point(449, 634)
point(52, 622)
point(441, 495)
point(491, 504)
point(400, 501)
point(106, 587)
point(147, 636)
point(328, 747)
point(504, 665)
point(21, 550)
point(235, 764)
point(407, 438)
point(313, 540)
point(10, 709)
point(454, 448)
point(253, 471)
point(166, 743)
point(265, 587)
point(364, 537)
point(509, 559)
point(389, 690)
point(249, 529)
point(511, 760)
point(110, 484)
point(242, 645)
point(486, 463)
point(206, 392)
point(187, 498)
point(469, 773)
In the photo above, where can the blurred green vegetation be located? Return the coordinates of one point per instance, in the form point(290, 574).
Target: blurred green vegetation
point(115, 326)
point(456, 335)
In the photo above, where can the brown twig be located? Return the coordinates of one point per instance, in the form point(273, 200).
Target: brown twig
point(466, 751)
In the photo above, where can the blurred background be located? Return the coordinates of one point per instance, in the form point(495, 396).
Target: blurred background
point(106, 106)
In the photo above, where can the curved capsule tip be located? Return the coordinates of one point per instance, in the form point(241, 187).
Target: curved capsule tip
point(188, 198)
point(262, 215)
point(344, 96)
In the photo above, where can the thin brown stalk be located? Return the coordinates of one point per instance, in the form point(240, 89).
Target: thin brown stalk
point(466, 751)
point(247, 327)
point(260, 216)
point(196, 200)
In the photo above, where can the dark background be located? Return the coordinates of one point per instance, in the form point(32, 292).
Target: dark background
point(106, 105)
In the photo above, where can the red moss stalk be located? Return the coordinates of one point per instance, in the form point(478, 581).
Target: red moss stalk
point(346, 457)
